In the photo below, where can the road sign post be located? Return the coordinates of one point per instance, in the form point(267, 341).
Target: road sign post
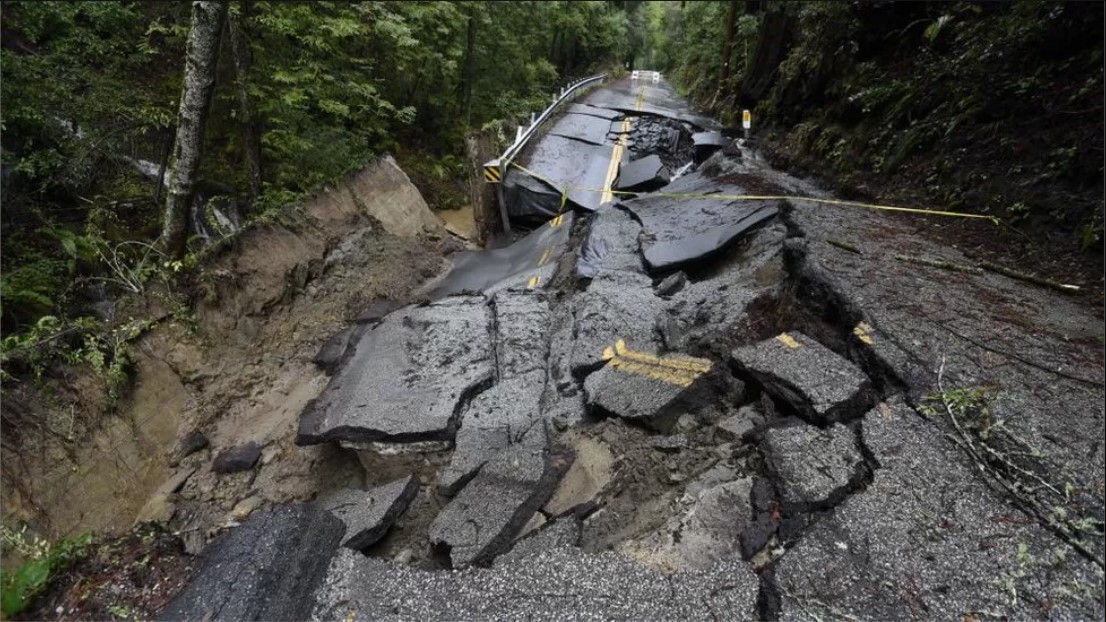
point(493, 174)
point(746, 122)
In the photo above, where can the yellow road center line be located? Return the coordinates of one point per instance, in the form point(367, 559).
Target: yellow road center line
point(544, 257)
point(861, 331)
point(674, 377)
point(699, 367)
point(788, 340)
point(534, 280)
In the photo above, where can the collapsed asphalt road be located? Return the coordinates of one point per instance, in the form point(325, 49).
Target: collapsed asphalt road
point(689, 409)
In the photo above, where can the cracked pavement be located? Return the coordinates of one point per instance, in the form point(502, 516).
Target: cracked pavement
point(780, 429)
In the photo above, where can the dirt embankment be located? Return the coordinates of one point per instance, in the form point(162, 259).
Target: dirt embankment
point(238, 371)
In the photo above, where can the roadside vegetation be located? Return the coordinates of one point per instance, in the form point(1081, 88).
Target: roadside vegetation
point(987, 107)
point(302, 94)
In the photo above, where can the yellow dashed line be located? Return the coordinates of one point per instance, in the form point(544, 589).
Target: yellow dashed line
point(700, 367)
point(556, 222)
point(674, 377)
point(677, 372)
point(534, 280)
point(862, 331)
point(788, 340)
point(616, 154)
point(544, 257)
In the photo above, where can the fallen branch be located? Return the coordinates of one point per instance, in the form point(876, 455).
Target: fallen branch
point(844, 246)
point(1029, 278)
point(936, 263)
point(1062, 527)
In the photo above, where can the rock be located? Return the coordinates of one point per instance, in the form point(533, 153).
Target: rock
point(929, 522)
point(648, 389)
point(671, 284)
point(669, 444)
point(159, 508)
point(407, 379)
point(245, 507)
point(589, 474)
point(236, 459)
point(818, 384)
point(707, 527)
point(368, 515)
point(813, 468)
point(266, 569)
point(191, 443)
point(332, 351)
point(735, 427)
point(483, 519)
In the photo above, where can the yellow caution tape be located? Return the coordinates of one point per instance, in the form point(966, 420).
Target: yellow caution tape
point(764, 197)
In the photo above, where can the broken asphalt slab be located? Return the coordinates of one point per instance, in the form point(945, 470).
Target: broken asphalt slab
point(534, 256)
point(369, 514)
point(813, 468)
point(561, 165)
point(266, 569)
point(929, 538)
point(481, 522)
point(616, 305)
point(612, 244)
point(643, 175)
point(585, 127)
point(495, 420)
point(408, 378)
point(649, 390)
point(678, 230)
point(818, 384)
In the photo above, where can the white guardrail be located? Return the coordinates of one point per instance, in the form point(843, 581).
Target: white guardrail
point(496, 170)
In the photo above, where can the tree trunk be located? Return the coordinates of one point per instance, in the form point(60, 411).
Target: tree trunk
point(773, 43)
point(201, 56)
point(251, 133)
point(470, 68)
point(727, 45)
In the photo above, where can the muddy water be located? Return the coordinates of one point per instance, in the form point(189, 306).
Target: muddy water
point(106, 479)
point(459, 221)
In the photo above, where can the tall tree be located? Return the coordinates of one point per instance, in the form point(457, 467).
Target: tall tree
point(201, 57)
point(727, 44)
point(251, 133)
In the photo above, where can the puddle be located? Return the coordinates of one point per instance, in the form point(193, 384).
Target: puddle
point(459, 221)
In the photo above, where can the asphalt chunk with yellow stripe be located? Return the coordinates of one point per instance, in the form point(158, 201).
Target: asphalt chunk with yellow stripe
point(815, 382)
point(643, 387)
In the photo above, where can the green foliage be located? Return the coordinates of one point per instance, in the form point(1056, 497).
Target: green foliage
point(992, 107)
point(92, 88)
point(42, 561)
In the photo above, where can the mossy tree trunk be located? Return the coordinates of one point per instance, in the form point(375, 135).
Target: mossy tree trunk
point(201, 57)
